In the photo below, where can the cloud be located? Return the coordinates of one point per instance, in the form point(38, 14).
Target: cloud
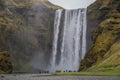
point(72, 4)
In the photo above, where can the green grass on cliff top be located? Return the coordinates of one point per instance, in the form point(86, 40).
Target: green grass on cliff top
point(86, 74)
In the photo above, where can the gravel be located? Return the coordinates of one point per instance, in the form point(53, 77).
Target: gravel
point(49, 77)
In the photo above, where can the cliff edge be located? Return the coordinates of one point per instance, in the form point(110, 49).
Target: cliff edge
point(104, 55)
point(25, 30)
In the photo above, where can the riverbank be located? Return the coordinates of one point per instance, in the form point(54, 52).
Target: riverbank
point(45, 77)
point(87, 73)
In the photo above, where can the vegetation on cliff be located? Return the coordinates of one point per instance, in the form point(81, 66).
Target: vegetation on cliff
point(20, 36)
point(104, 54)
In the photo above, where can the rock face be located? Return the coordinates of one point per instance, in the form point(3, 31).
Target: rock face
point(104, 55)
point(25, 30)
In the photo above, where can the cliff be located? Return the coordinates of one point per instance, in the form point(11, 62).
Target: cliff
point(25, 29)
point(104, 23)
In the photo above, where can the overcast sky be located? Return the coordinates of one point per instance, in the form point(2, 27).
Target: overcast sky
point(72, 4)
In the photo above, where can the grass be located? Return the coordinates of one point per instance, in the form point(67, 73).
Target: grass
point(86, 74)
point(2, 72)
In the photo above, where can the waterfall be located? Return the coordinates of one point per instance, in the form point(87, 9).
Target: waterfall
point(56, 32)
point(84, 34)
point(73, 44)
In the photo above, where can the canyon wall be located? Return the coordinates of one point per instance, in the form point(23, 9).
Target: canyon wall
point(104, 24)
point(25, 30)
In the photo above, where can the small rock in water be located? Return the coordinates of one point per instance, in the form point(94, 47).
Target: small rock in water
point(2, 76)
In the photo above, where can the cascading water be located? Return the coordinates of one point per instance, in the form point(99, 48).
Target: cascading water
point(56, 32)
point(73, 44)
point(84, 34)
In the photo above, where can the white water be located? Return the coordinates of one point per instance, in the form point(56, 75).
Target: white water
point(84, 34)
point(56, 33)
point(73, 45)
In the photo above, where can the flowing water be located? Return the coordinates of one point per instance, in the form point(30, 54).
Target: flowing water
point(69, 43)
point(73, 44)
point(56, 32)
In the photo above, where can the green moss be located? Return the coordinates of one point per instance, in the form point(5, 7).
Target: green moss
point(103, 57)
point(105, 4)
point(5, 62)
point(87, 74)
point(13, 22)
point(96, 14)
point(10, 22)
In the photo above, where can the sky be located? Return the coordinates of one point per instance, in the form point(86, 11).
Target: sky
point(72, 4)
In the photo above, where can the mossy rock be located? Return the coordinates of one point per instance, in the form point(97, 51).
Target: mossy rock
point(5, 62)
point(105, 35)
